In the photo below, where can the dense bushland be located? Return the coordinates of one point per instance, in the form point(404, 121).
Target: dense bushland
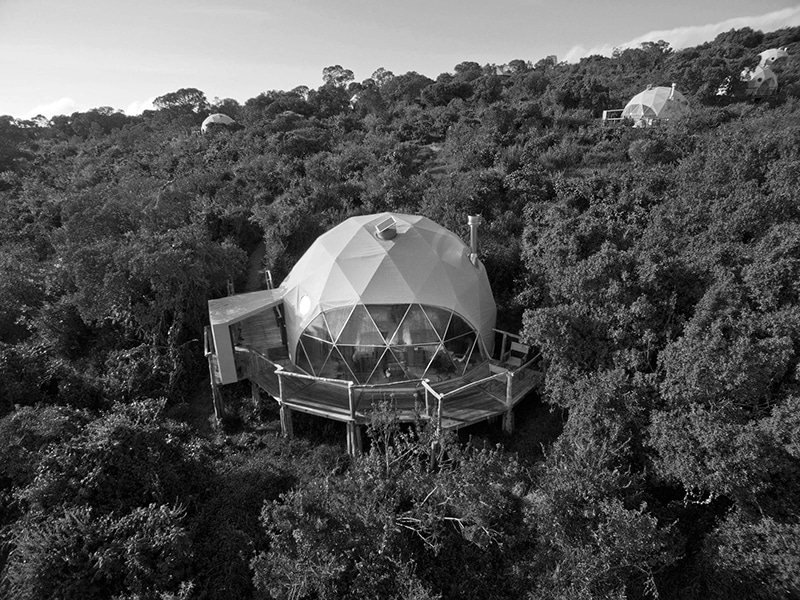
point(656, 269)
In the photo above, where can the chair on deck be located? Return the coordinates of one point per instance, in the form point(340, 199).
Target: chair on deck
point(517, 356)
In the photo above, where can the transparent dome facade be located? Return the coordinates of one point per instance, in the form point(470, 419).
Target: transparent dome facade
point(382, 343)
point(371, 309)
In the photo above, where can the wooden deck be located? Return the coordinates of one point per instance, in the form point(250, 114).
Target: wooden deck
point(490, 391)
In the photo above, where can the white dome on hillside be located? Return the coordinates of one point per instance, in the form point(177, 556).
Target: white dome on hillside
point(656, 103)
point(387, 291)
point(216, 119)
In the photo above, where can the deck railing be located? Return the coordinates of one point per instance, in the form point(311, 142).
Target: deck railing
point(259, 366)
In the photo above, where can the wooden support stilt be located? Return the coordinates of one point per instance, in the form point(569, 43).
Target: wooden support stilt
point(508, 421)
point(255, 394)
point(287, 429)
point(508, 416)
point(353, 428)
point(286, 413)
point(216, 394)
point(353, 438)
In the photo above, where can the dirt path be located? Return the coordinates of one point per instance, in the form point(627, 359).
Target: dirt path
point(199, 411)
point(255, 270)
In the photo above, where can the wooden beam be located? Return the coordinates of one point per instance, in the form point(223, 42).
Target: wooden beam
point(216, 394)
point(353, 438)
point(508, 421)
point(508, 416)
point(286, 421)
point(286, 413)
point(351, 401)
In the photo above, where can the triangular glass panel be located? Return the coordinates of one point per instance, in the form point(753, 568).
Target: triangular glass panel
point(301, 360)
point(377, 373)
point(457, 327)
point(418, 358)
point(317, 352)
point(473, 357)
point(394, 365)
point(318, 328)
point(336, 319)
point(387, 317)
point(415, 329)
point(439, 319)
point(441, 366)
point(360, 329)
point(460, 347)
point(361, 360)
point(336, 366)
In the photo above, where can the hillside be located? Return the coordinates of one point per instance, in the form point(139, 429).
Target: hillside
point(656, 268)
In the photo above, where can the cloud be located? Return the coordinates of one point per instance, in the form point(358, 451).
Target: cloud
point(137, 107)
point(62, 106)
point(684, 37)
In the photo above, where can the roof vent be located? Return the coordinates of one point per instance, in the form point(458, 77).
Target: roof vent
point(386, 229)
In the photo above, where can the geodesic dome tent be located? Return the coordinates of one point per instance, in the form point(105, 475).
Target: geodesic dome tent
point(656, 103)
point(762, 81)
point(388, 297)
point(216, 119)
point(767, 57)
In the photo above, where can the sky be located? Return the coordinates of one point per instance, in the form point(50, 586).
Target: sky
point(60, 56)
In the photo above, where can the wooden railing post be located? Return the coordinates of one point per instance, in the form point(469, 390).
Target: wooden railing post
point(508, 416)
point(439, 417)
point(216, 394)
point(287, 429)
point(353, 428)
point(351, 400)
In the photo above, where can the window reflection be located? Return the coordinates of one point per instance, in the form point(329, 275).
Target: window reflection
point(388, 342)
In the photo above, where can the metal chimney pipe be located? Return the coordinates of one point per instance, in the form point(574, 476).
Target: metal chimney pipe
point(473, 222)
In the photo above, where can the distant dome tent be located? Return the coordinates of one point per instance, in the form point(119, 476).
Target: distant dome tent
point(656, 104)
point(217, 119)
point(762, 80)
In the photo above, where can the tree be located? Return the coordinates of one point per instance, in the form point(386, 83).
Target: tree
point(468, 70)
point(381, 77)
point(392, 527)
point(519, 66)
point(105, 513)
point(405, 88)
point(184, 99)
point(75, 553)
point(337, 75)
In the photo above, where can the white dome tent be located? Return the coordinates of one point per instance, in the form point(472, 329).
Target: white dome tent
point(216, 119)
point(762, 81)
point(399, 290)
point(656, 104)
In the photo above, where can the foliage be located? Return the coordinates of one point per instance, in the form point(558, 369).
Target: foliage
point(655, 269)
point(402, 521)
point(130, 457)
point(79, 554)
